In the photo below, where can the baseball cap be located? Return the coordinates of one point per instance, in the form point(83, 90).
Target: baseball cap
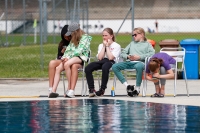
point(72, 27)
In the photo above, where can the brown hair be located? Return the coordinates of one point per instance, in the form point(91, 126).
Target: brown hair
point(76, 36)
point(140, 30)
point(154, 63)
point(110, 31)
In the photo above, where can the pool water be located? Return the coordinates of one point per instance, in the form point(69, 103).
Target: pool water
point(97, 115)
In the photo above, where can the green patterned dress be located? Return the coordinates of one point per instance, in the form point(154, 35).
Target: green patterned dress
point(82, 50)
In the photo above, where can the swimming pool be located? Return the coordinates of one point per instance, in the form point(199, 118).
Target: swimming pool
point(97, 115)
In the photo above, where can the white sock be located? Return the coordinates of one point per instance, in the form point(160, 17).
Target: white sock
point(50, 89)
point(72, 90)
point(137, 88)
point(126, 84)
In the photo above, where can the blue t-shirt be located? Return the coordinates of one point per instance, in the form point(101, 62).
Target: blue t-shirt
point(167, 60)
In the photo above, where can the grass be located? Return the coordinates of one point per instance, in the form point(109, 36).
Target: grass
point(19, 61)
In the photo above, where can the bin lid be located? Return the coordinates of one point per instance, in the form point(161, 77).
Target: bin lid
point(169, 42)
point(190, 41)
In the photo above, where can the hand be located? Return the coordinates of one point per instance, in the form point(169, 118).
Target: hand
point(154, 79)
point(109, 42)
point(156, 75)
point(64, 60)
point(136, 57)
point(63, 50)
point(105, 43)
point(131, 57)
point(149, 77)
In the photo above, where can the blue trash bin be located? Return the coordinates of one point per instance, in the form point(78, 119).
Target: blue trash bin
point(191, 58)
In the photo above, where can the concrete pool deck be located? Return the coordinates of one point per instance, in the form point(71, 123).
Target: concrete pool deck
point(37, 89)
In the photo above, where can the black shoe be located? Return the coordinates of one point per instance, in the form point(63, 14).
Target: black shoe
point(100, 92)
point(92, 92)
point(130, 89)
point(135, 93)
point(53, 95)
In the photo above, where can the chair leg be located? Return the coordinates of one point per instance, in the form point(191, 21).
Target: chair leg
point(144, 88)
point(144, 78)
point(99, 81)
point(63, 79)
point(186, 82)
point(175, 78)
point(82, 84)
point(114, 82)
point(144, 85)
point(175, 86)
point(85, 89)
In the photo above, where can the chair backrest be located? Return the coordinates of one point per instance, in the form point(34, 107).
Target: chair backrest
point(88, 61)
point(120, 59)
point(89, 55)
point(177, 53)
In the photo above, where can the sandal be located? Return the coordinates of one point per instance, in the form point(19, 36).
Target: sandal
point(161, 95)
point(155, 95)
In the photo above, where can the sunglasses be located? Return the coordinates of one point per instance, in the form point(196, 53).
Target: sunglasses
point(135, 35)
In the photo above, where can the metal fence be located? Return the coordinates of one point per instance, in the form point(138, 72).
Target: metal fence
point(27, 17)
point(39, 22)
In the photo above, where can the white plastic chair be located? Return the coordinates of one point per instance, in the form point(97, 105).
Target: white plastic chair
point(179, 55)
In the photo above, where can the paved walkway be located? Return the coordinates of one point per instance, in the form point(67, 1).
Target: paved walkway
point(22, 89)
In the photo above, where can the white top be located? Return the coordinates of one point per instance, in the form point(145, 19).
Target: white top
point(115, 49)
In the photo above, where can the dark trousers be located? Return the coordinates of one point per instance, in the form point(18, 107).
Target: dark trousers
point(105, 66)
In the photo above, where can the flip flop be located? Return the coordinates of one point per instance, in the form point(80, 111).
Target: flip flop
point(155, 95)
point(53, 95)
point(161, 95)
